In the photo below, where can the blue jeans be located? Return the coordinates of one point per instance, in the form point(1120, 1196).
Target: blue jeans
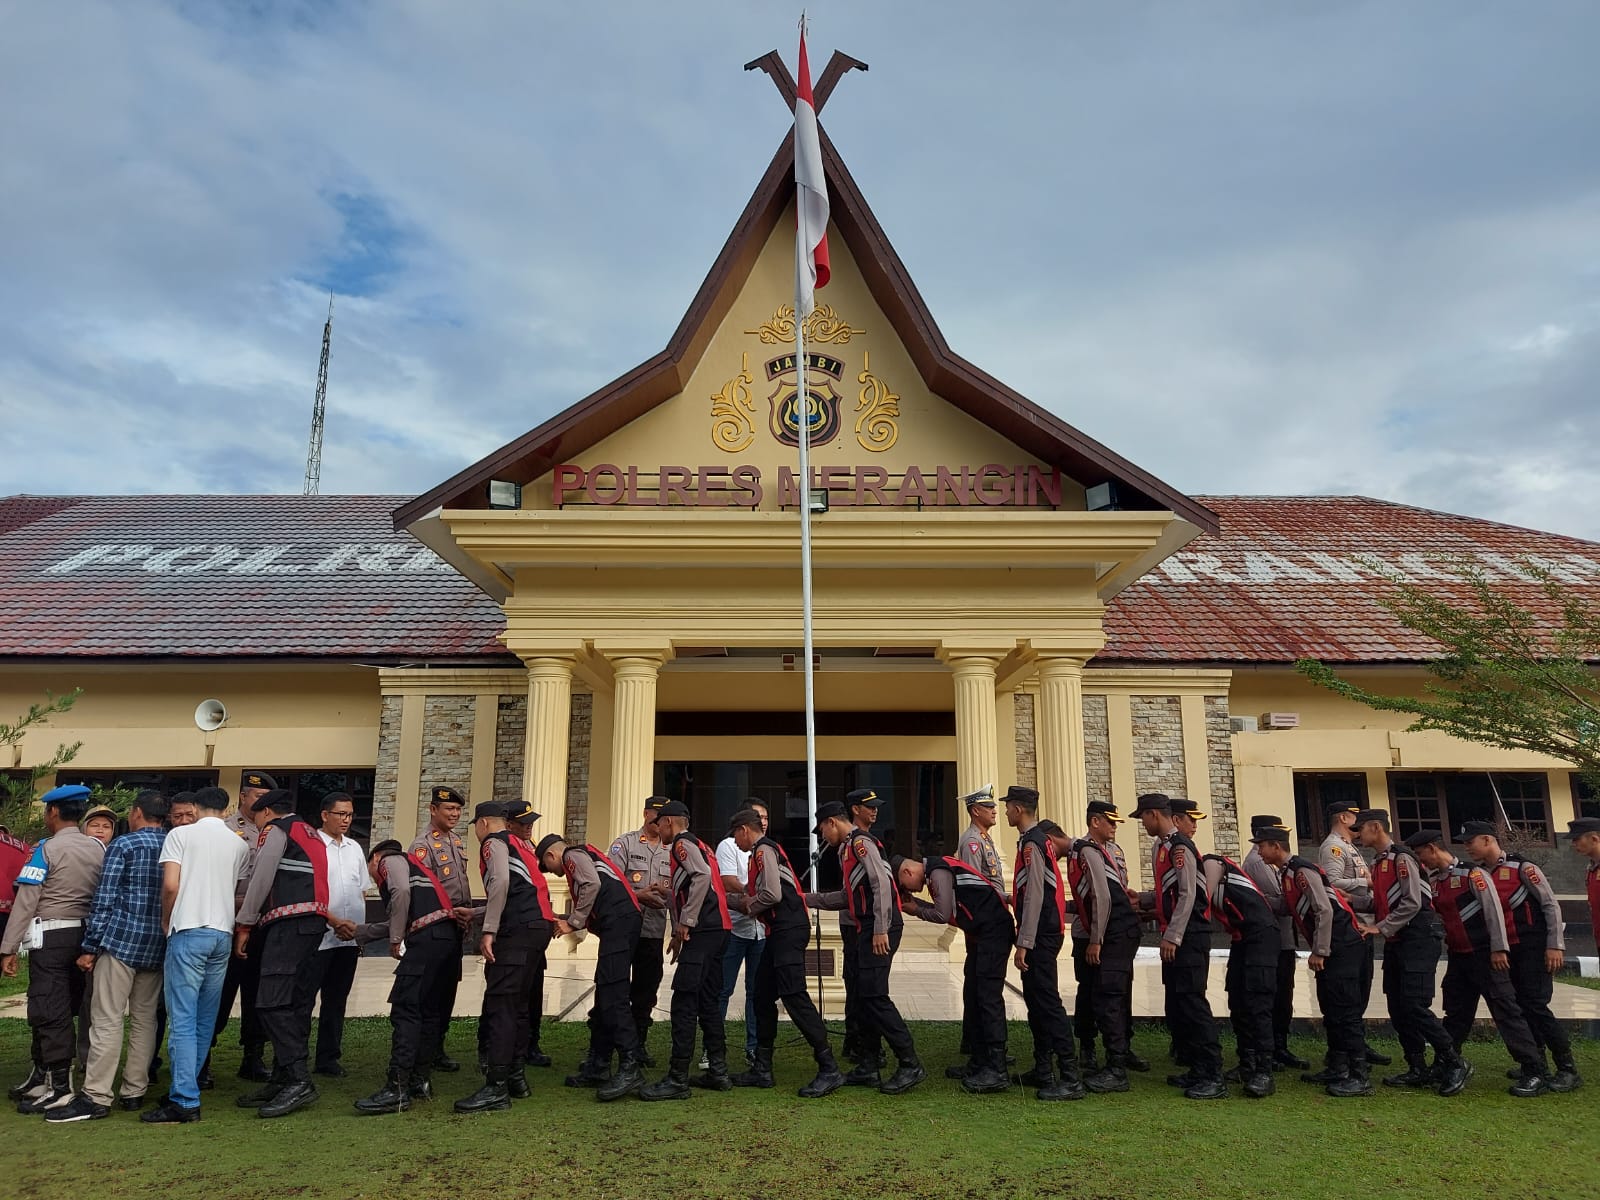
point(745, 952)
point(197, 959)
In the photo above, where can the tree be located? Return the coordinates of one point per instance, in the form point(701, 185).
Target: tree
point(1508, 674)
point(18, 810)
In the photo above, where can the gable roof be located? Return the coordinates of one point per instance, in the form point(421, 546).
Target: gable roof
point(1292, 577)
point(946, 373)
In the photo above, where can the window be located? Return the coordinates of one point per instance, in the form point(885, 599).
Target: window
point(311, 786)
point(1445, 800)
point(168, 783)
point(1585, 801)
point(1314, 792)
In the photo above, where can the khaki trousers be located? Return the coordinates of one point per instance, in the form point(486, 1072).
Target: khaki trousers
point(119, 988)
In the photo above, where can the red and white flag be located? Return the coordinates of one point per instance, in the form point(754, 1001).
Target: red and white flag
point(811, 197)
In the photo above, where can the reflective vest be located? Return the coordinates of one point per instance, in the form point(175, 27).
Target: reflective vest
point(857, 887)
point(1044, 873)
point(1123, 919)
point(1169, 861)
point(1395, 864)
point(980, 904)
point(790, 911)
point(429, 902)
point(713, 912)
point(13, 854)
point(1457, 900)
point(616, 898)
point(1346, 929)
point(527, 895)
point(1239, 904)
point(1524, 917)
point(300, 885)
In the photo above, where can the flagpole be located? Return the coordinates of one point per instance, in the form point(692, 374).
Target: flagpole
point(803, 408)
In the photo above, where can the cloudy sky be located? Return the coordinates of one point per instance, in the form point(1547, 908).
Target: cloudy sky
point(1255, 247)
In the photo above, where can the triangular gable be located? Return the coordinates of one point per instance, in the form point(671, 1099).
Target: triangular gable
point(945, 373)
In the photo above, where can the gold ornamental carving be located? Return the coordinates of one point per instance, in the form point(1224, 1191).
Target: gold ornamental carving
point(878, 426)
point(824, 327)
point(733, 411)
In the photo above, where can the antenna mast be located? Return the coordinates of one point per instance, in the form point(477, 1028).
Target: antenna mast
point(314, 454)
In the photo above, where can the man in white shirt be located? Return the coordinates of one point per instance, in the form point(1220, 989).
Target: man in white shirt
point(749, 935)
point(200, 868)
point(333, 969)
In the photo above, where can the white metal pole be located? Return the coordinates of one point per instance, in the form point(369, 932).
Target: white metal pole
point(803, 406)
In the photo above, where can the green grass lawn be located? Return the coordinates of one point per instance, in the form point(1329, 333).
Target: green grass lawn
point(17, 984)
point(1148, 1144)
point(1580, 981)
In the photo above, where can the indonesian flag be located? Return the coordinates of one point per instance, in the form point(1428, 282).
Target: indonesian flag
point(811, 197)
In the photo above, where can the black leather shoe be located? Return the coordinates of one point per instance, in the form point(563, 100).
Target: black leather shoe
point(130, 1103)
point(1412, 1077)
point(825, 1084)
point(1566, 1079)
point(517, 1085)
point(1325, 1076)
point(1035, 1077)
point(1107, 1079)
point(1135, 1063)
point(627, 1081)
point(958, 1070)
point(446, 1064)
point(79, 1108)
point(1350, 1086)
point(864, 1076)
point(1374, 1059)
point(293, 1098)
point(1527, 1086)
point(538, 1059)
point(1207, 1089)
point(985, 1081)
point(1286, 1058)
point(34, 1082)
point(491, 1097)
point(906, 1077)
point(589, 1074)
point(205, 1080)
point(1453, 1077)
point(254, 1068)
point(263, 1095)
point(1062, 1089)
point(1186, 1080)
point(170, 1114)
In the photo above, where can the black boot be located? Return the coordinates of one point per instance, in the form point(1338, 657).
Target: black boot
point(1134, 1062)
point(1355, 1083)
point(1566, 1078)
point(55, 1090)
point(760, 1073)
point(1416, 1075)
point(1041, 1074)
point(988, 1074)
point(517, 1083)
point(493, 1096)
point(628, 1079)
point(673, 1086)
point(1338, 1068)
point(1087, 1063)
point(1531, 1081)
point(864, 1075)
point(961, 1070)
point(1284, 1057)
point(1257, 1076)
point(443, 1062)
point(1113, 1077)
point(1235, 1073)
point(299, 1094)
point(1184, 1079)
point(265, 1094)
point(1209, 1087)
point(1374, 1059)
point(1059, 1089)
point(253, 1066)
point(715, 1077)
point(591, 1073)
point(421, 1084)
point(1452, 1071)
point(828, 1079)
point(906, 1076)
point(31, 1086)
point(393, 1097)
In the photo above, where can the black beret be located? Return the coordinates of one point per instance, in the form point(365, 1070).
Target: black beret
point(1472, 829)
point(673, 808)
point(257, 779)
point(445, 795)
point(1425, 837)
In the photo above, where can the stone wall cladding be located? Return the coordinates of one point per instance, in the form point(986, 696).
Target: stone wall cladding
point(1157, 755)
point(510, 747)
point(579, 740)
point(1219, 764)
point(447, 725)
point(1027, 751)
point(387, 778)
point(1096, 747)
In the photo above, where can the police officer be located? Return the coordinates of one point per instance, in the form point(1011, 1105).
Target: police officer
point(1539, 950)
point(1323, 915)
point(446, 854)
point(862, 813)
point(1478, 951)
point(1086, 974)
point(54, 895)
point(1252, 978)
point(700, 930)
point(975, 904)
point(517, 921)
point(1585, 835)
point(1098, 875)
point(519, 824)
point(1347, 870)
point(1266, 881)
point(285, 911)
point(870, 894)
point(1041, 903)
point(977, 845)
point(772, 894)
point(244, 974)
point(421, 932)
point(1402, 905)
point(1182, 909)
point(602, 900)
point(643, 856)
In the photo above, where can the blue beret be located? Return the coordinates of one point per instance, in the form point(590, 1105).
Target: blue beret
point(67, 791)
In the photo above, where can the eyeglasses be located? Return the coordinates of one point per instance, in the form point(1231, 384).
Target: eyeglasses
point(343, 816)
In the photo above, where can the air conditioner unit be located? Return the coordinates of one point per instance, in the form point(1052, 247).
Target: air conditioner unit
point(1243, 724)
point(1280, 720)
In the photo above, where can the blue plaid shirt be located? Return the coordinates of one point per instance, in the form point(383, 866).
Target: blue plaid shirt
point(126, 919)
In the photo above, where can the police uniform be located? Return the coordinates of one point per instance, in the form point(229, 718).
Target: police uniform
point(773, 897)
point(446, 855)
point(421, 919)
point(243, 975)
point(701, 922)
point(977, 847)
point(285, 909)
point(974, 904)
point(849, 934)
point(1474, 930)
point(602, 900)
point(1041, 903)
point(1347, 870)
point(1402, 906)
point(55, 889)
point(1086, 1022)
point(1097, 873)
point(1267, 882)
point(1252, 976)
point(645, 861)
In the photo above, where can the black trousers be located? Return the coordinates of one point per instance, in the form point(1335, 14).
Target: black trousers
point(1189, 1017)
point(417, 1030)
point(849, 936)
point(697, 996)
point(611, 1026)
point(983, 1005)
point(645, 987)
point(1369, 948)
point(781, 975)
point(333, 973)
point(507, 983)
point(1085, 1024)
point(1534, 988)
point(1111, 993)
point(1041, 993)
point(1471, 977)
point(541, 963)
point(240, 983)
point(1252, 985)
point(55, 997)
point(1343, 1008)
point(1283, 999)
point(286, 991)
point(880, 1019)
point(1410, 968)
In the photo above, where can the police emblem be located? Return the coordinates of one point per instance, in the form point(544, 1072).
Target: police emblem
point(820, 410)
point(637, 876)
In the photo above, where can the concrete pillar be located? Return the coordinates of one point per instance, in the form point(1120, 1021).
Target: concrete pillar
point(544, 767)
point(977, 752)
point(1063, 784)
point(633, 743)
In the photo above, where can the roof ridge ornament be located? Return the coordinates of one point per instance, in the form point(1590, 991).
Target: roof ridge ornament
point(838, 67)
